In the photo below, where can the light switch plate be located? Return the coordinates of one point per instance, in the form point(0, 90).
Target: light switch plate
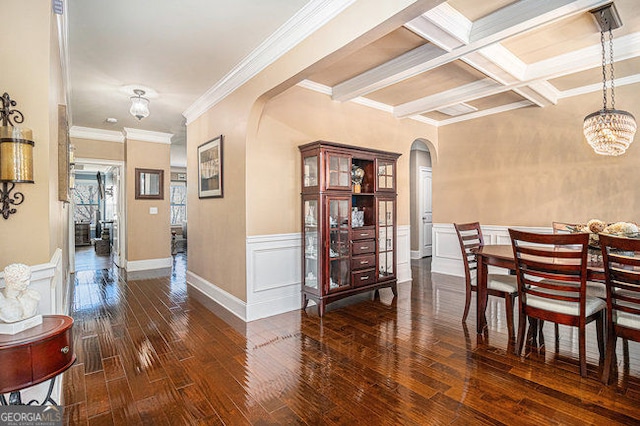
point(153, 210)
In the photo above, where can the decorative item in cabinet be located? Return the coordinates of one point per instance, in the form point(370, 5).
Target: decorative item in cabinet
point(341, 251)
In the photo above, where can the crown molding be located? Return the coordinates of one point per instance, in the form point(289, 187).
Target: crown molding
point(96, 134)
point(148, 136)
point(309, 19)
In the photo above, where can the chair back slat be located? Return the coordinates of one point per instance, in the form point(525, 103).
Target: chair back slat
point(621, 257)
point(551, 266)
point(470, 238)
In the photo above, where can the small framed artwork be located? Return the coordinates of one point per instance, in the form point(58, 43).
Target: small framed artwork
point(210, 169)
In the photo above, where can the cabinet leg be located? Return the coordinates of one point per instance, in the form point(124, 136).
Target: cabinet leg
point(394, 290)
point(305, 301)
point(321, 308)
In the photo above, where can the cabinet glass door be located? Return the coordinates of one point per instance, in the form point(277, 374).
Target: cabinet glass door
point(339, 247)
point(310, 171)
point(386, 174)
point(386, 238)
point(339, 171)
point(310, 239)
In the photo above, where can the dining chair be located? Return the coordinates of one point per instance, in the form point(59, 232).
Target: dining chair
point(621, 257)
point(552, 285)
point(505, 286)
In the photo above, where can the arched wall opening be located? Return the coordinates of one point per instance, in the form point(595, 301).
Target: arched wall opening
point(420, 211)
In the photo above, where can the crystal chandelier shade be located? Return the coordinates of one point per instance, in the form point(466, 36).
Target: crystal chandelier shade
point(609, 131)
point(139, 105)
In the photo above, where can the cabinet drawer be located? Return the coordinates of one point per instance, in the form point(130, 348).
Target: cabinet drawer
point(363, 233)
point(52, 355)
point(363, 262)
point(362, 247)
point(365, 277)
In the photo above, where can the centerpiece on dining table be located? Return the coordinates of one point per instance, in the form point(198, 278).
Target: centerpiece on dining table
point(595, 227)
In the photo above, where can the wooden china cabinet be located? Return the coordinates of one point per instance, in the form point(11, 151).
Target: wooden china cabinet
point(348, 229)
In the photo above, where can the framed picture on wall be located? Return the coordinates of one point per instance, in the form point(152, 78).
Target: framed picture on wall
point(210, 169)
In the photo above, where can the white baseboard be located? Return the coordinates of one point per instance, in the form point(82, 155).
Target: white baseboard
point(218, 295)
point(143, 265)
point(415, 255)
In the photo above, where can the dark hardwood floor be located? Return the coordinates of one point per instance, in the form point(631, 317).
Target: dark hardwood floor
point(151, 351)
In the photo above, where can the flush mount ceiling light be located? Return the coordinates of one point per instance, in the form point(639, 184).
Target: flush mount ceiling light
point(609, 131)
point(139, 105)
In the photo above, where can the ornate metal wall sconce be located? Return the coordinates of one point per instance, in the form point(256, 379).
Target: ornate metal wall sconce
point(16, 156)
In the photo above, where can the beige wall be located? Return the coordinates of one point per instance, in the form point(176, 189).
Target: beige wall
point(532, 166)
point(218, 227)
point(300, 116)
point(31, 76)
point(148, 235)
point(100, 150)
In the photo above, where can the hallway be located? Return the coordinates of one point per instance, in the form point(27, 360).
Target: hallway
point(152, 351)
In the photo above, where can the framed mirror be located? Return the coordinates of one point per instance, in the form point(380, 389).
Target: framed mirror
point(149, 184)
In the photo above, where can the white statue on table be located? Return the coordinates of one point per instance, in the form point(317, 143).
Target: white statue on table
point(17, 302)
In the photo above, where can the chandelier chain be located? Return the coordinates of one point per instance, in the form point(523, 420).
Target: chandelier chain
point(604, 72)
point(613, 93)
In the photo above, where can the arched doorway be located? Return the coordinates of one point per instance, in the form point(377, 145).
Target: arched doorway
point(420, 169)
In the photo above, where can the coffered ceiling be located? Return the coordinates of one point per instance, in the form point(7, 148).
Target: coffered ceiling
point(466, 59)
point(461, 60)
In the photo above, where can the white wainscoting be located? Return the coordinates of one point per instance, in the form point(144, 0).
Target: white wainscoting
point(273, 275)
point(50, 281)
point(447, 257)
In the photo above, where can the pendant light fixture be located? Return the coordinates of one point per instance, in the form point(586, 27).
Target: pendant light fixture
point(609, 131)
point(139, 105)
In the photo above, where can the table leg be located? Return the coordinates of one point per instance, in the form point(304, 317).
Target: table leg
point(481, 296)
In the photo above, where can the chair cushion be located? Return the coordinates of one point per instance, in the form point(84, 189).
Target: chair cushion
point(592, 305)
point(626, 319)
point(500, 282)
point(596, 289)
point(506, 283)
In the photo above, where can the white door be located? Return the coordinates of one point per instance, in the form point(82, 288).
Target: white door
point(425, 212)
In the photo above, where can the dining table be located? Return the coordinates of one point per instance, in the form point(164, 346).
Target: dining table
point(501, 255)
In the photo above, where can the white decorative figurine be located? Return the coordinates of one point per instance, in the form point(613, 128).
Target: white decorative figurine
point(16, 301)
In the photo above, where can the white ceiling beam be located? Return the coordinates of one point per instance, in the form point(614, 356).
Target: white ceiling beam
point(477, 89)
point(626, 47)
point(397, 69)
point(444, 26)
point(485, 112)
point(524, 15)
point(506, 22)
point(597, 87)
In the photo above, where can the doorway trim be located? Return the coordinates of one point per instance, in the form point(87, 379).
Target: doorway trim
point(423, 251)
point(122, 198)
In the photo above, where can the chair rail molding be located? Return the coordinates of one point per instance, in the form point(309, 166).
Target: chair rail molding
point(447, 258)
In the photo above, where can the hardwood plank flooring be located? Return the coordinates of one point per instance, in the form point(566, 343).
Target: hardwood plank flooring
point(153, 351)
